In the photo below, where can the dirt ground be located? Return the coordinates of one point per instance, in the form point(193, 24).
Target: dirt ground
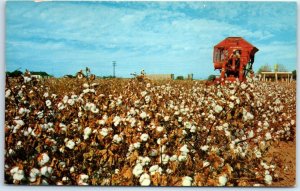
point(286, 153)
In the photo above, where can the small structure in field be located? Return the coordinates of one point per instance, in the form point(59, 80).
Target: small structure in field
point(40, 75)
point(160, 76)
point(277, 76)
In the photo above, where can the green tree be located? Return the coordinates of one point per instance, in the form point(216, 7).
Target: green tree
point(264, 68)
point(294, 72)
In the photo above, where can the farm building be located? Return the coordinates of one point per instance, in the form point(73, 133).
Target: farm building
point(160, 76)
point(276, 76)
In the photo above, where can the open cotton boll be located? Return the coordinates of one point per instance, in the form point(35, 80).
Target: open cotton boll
point(87, 131)
point(184, 149)
point(7, 93)
point(117, 120)
point(48, 103)
point(43, 159)
point(187, 181)
point(137, 170)
point(268, 136)
point(70, 144)
point(144, 137)
point(218, 108)
point(46, 171)
point(117, 139)
point(145, 180)
point(268, 179)
point(143, 115)
point(222, 180)
point(33, 174)
point(104, 132)
point(204, 148)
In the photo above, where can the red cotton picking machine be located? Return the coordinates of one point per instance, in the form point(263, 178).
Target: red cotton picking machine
point(234, 57)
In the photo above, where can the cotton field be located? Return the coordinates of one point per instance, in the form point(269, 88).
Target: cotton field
point(153, 133)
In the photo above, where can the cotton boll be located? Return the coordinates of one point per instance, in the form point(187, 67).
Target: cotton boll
point(70, 144)
point(184, 149)
point(144, 137)
point(117, 139)
point(43, 159)
point(222, 180)
point(138, 170)
point(145, 180)
point(87, 132)
point(187, 181)
point(268, 136)
point(182, 158)
point(206, 163)
point(104, 132)
point(268, 179)
point(143, 115)
point(218, 108)
point(204, 148)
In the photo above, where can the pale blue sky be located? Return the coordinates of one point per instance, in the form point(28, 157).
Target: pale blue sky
point(160, 37)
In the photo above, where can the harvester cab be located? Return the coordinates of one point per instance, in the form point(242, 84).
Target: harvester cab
point(234, 57)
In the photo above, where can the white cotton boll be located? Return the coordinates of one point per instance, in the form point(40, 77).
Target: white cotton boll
point(83, 178)
point(268, 136)
point(159, 128)
point(137, 145)
point(144, 137)
point(60, 106)
point(65, 99)
point(218, 108)
point(257, 153)
point(19, 122)
point(46, 94)
point(117, 120)
point(7, 93)
point(292, 122)
point(222, 180)
point(243, 86)
point(71, 101)
point(43, 159)
point(143, 115)
point(87, 131)
point(48, 103)
point(165, 158)
point(206, 163)
point(72, 169)
point(182, 158)
point(117, 139)
point(204, 148)
point(187, 181)
point(266, 125)
point(104, 132)
point(193, 129)
point(231, 105)
point(19, 175)
point(154, 169)
point(14, 170)
point(145, 180)
point(147, 99)
point(138, 170)
point(268, 179)
point(33, 174)
point(46, 171)
point(173, 158)
point(143, 93)
point(251, 134)
point(184, 149)
point(166, 118)
point(70, 144)
point(85, 85)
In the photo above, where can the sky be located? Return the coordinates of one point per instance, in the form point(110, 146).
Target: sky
point(160, 37)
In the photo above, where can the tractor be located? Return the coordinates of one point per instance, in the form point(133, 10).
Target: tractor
point(234, 57)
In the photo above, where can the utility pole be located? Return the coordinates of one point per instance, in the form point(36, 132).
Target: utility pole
point(114, 66)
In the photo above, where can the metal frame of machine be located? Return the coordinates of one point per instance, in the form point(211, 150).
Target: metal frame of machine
point(234, 57)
